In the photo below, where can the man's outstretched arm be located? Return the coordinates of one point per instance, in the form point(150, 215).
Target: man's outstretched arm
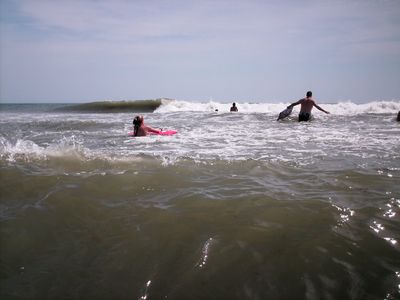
point(295, 103)
point(321, 109)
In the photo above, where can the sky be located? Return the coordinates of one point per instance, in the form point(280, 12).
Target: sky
point(220, 50)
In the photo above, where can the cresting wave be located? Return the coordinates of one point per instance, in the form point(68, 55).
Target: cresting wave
point(164, 105)
point(68, 156)
point(26, 150)
point(342, 108)
point(115, 106)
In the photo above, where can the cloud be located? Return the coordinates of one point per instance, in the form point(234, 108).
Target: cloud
point(268, 26)
point(236, 41)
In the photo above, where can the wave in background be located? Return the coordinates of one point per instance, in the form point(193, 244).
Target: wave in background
point(341, 108)
point(115, 106)
point(169, 105)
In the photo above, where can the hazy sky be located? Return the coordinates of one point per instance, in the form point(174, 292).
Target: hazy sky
point(261, 51)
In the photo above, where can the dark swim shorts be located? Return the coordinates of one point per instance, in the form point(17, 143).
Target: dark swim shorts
point(304, 117)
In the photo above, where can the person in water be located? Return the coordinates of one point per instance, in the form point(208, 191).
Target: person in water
point(140, 129)
point(307, 105)
point(398, 116)
point(234, 107)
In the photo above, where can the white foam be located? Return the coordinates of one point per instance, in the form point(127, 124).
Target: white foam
point(205, 135)
point(376, 107)
point(347, 108)
point(212, 106)
point(28, 150)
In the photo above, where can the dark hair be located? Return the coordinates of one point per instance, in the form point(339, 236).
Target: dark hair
point(137, 122)
point(309, 94)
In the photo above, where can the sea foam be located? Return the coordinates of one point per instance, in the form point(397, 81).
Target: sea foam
point(347, 108)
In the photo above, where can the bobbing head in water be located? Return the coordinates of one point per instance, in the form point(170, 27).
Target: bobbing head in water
point(137, 122)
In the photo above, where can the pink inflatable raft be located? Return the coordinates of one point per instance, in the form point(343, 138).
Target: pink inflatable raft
point(161, 132)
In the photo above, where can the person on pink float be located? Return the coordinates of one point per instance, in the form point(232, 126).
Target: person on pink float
point(140, 129)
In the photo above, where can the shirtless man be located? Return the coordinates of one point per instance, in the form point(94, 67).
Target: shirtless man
point(234, 107)
point(306, 107)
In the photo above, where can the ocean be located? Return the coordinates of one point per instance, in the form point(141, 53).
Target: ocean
point(233, 206)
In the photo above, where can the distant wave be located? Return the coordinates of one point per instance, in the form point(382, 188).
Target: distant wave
point(164, 105)
point(341, 108)
point(116, 106)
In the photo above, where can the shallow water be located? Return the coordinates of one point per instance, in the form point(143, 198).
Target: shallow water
point(234, 206)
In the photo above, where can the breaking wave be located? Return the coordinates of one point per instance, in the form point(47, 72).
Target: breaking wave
point(165, 105)
point(116, 106)
point(347, 108)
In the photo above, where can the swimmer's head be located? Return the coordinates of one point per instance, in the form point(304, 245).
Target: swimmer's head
point(309, 94)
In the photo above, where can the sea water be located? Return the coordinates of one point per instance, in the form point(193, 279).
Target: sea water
point(234, 206)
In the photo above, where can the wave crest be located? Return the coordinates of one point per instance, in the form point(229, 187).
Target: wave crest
point(27, 150)
point(342, 108)
point(117, 106)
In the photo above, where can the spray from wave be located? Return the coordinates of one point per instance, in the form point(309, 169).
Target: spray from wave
point(27, 150)
point(165, 105)
point(347, 108)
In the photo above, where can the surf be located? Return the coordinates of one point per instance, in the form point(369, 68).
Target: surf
point(115, 106)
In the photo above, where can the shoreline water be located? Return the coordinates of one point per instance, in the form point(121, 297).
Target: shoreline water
point(234, 206)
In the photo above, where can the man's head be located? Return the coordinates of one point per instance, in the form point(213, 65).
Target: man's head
point(309, 94)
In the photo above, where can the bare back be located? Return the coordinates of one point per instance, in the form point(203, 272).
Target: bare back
point(306, 105)
point(141, 131)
